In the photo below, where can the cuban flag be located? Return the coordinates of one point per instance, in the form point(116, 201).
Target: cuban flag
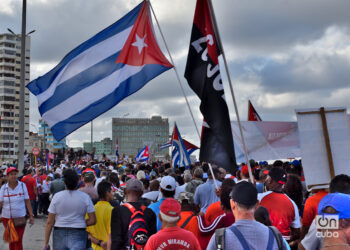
point(116, 150)
point(252, 114)
point(143, 155)
point(99, 73)
point(178, 143)
point(165, 145)
point(175, 156)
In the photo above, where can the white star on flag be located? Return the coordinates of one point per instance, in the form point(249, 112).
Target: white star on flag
point(140, 43)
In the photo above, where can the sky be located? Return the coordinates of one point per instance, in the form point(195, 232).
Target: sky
point(282, 55)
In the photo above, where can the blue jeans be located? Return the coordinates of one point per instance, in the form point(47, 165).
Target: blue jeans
point(69, 239)
point(34, 205)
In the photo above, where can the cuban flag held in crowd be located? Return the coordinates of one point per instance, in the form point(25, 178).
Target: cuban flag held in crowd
point(178, 143)
point(175, 156)
point(99, 73)
point(143, 155)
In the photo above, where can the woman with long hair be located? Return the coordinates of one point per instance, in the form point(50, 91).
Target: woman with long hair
point(67, 216)
point(14, 200)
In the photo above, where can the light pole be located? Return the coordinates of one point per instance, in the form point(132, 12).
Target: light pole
point(22, 89)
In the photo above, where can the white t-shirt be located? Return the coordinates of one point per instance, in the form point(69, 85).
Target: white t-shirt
point(70, 208)
point(17, 197)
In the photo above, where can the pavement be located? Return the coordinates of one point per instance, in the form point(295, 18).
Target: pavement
point(33, 238)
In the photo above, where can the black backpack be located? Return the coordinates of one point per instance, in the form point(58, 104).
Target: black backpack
point(137, 231)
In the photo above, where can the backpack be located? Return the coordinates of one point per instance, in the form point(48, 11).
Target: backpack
point(137, 232)
point(273, 232)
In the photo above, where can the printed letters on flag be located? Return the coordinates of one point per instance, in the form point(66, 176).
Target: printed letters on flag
point(175, 156)
point(252, 114)
point(99, 73)
point(203, 76)
point(178, 143)
point(143, 155)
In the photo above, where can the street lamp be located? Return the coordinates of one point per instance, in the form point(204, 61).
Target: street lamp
point(13, 33)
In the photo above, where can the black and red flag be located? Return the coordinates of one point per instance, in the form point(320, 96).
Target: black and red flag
point(252, 114)
point(203, 76)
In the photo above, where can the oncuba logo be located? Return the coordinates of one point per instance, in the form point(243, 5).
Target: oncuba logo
point(325, 223)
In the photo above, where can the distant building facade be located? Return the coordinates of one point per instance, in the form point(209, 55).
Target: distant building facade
point(50, 141)
point(10, 72)
point(101, 147)
point(135, 133)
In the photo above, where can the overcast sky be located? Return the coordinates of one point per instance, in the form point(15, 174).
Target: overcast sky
point(282, 55)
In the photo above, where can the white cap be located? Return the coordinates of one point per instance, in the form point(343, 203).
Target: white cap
point(168, 183)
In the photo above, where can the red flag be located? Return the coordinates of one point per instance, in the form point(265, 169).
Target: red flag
point(252, 114)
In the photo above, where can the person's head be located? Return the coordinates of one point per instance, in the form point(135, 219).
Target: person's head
point(71, 179)
point(262, 215)
point(11, 174)
point(167, 186)
point(294, 189)
point(145, 183)
point(225, 191)
point(244, 200)
point(186, 200)
point(170, 211)
point(216, 172)
point(114, 179)
point(30, 171)
point(104, 190)
point(154, 185)
point(198, 173)
point(222, 174)
point(276, 178)
point(340, 184)
point(57, 176)
point(89, 177)
point(187, 177)
point(133, 190)
point(337, 204)
point(244, 172)
point(140, 175)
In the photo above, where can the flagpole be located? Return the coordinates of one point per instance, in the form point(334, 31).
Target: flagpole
point(175, 69)
point(216, 30)
point(92, 137)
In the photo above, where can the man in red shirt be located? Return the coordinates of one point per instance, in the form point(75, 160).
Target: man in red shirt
point(171, 237)
point(283, 211)
point(30, 182)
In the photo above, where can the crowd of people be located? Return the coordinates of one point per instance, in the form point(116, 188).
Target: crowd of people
point(121, 205)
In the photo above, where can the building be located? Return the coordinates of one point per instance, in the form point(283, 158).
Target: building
point(10, 72)
point(135, 133)
point(50, 141)
point(101, 147)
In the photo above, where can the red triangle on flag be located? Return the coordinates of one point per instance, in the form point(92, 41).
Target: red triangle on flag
point(141, 46)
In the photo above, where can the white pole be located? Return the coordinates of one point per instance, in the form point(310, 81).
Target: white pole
point(175, 69)
point(216, 30)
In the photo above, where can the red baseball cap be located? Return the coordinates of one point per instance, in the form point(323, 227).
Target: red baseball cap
point(10, 169)
point(244, 170)
point(170, 207)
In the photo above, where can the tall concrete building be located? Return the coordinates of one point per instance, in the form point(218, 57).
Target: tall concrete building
point(135, 133)
point(104, 146)
point(10, 72)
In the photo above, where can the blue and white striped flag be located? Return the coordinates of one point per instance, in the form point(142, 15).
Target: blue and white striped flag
point(165, 145)
point(99, 73)
point(175, 156)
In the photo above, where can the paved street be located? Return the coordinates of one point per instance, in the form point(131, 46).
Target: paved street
point(33, 236)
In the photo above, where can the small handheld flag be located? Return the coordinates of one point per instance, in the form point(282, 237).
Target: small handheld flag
point(175, 156)
point(178, 143)
point(143, 155)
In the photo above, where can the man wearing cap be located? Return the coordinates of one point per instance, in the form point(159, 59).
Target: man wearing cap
point(167, 189)
point(284, 213)
point(245, 233)
point(206, 193)
point(89, 188)
point(121, 216)
point(336, 204)
point(172, 236)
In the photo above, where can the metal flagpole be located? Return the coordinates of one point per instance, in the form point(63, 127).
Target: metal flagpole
point(182, 89)
point(92, 137)
point(216, 30)
point(175, 69)
point(21, 92)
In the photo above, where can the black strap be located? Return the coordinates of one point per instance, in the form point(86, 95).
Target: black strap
point(278, 237)
point(240, 237)
point(28, 180)
point(220, 238)
point(187, 221)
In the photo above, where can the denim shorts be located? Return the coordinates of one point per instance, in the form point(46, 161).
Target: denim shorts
point(69, 239)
